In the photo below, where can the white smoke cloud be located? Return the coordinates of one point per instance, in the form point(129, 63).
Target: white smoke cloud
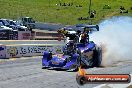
point(116, 37)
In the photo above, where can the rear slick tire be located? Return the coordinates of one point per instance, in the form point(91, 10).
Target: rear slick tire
point(97, 57)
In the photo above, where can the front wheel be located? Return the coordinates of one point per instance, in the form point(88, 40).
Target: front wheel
point(75, 66)
point(78, 63)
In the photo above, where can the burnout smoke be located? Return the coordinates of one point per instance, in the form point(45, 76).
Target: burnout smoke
point(115, 36)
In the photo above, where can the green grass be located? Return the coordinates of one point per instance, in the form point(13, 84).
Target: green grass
point(48, 11)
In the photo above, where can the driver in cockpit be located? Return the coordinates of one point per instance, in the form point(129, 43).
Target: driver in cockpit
point(85, 36)
point(70, 48)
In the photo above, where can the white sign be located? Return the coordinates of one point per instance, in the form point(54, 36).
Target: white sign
point(30, 50)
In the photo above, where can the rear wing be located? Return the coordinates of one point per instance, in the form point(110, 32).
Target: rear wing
point(74, 29)
point(88, 26)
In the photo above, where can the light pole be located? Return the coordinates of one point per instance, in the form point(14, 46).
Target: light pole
point(90, 7)
point(90, 11)
point(49, 3)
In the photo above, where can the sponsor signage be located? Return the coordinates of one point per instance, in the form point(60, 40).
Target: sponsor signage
point(30, 50)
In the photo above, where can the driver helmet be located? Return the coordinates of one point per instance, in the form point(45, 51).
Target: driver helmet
point(71, 45)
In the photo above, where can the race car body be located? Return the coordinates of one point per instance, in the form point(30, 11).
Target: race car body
point(59, 61)
point(85, 53)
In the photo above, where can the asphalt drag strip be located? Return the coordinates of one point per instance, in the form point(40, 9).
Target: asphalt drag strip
point(26, 72)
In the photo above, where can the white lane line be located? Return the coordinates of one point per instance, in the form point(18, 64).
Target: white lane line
point(115, 85)
point(100, 86)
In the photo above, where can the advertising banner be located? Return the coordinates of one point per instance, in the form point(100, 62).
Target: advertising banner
point(30, 50)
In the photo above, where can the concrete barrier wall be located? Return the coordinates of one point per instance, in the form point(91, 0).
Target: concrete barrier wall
point(22, 50)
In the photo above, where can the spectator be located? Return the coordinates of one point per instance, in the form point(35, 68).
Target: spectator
point(92, 15)
point(122, 8)
point(130, 8)
point(64, 4)
point(60, 4)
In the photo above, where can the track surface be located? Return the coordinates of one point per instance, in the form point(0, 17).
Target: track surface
point(27, 73)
